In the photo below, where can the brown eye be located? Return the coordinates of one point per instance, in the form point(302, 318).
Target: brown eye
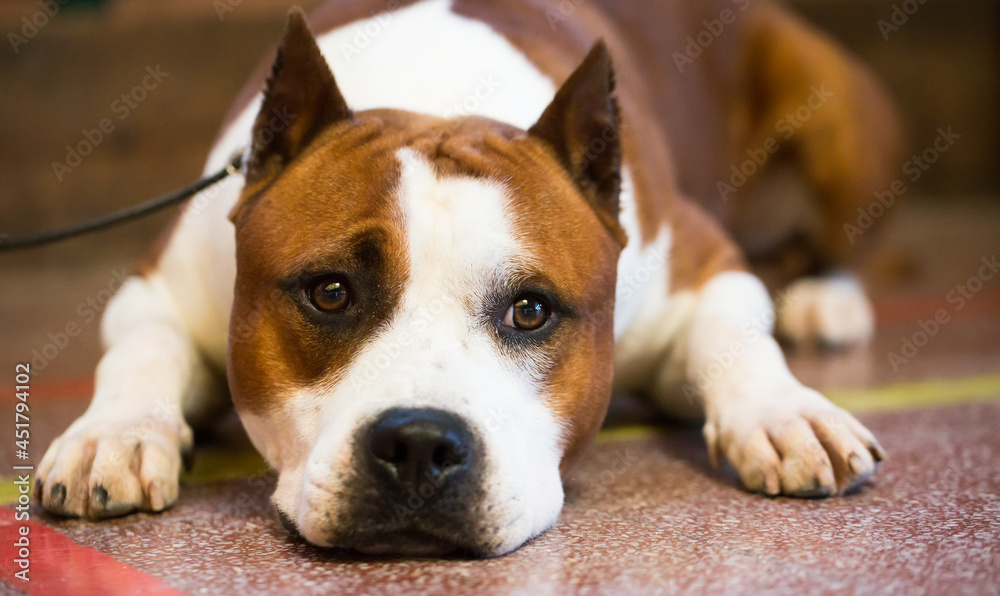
point(330, 294)
point(527, 313)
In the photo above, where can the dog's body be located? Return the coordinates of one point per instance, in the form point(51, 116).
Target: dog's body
point(419, 294)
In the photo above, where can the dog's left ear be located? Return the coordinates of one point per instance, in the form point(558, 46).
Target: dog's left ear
point(581, 125)
point(301, 100)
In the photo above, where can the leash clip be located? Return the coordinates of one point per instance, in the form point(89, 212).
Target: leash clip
point(235, 164)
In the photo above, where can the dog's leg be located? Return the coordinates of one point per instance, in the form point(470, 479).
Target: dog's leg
point(782, 437)
point(797, 216)
point(124, 454)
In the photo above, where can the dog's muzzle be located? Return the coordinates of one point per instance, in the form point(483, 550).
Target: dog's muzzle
point(417, 485)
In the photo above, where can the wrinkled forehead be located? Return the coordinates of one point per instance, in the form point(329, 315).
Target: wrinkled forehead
point(415, 192)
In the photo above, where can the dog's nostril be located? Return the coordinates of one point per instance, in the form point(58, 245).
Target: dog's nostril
point(398, 453)
point(416, 445)
point(388, 448)
point(441, 458)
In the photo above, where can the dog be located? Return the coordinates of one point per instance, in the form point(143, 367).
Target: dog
point(436, 268)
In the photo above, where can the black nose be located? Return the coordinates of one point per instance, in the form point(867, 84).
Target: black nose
point(417, 445)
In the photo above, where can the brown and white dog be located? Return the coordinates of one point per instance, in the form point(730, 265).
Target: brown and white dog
point(435, 269)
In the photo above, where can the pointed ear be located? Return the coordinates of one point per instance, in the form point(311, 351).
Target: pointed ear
point(581, 126)
point(301, 99)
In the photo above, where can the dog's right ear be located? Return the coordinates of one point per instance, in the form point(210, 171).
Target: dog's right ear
point(301, 99)
point(581, 127)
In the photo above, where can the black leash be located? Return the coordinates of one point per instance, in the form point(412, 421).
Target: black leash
point(125, 215)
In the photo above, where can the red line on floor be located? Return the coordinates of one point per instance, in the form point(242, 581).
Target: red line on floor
point(57, 565)
point(65, 389)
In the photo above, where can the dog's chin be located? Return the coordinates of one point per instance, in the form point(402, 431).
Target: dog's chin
point(414, 543)
point(409, 543)
point(392, 541)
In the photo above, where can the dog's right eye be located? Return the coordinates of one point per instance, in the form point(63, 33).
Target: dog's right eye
point(527, 313)
point(330, 293)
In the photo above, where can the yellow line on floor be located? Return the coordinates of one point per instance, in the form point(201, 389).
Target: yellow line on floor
point(907, 396)
point(899, 396)
point(218, 467)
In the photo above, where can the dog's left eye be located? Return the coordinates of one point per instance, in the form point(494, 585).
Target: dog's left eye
point(527, 313)
point(330, 293)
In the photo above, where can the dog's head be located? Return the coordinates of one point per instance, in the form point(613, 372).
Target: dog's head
point(421, 339)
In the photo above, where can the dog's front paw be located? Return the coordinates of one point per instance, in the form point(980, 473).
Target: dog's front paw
point(830, 311)
point(103, 467)
point(796, 443)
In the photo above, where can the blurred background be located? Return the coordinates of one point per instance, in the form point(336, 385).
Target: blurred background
point(60, 75)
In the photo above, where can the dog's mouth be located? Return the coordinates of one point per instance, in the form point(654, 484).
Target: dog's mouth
point(398, 541)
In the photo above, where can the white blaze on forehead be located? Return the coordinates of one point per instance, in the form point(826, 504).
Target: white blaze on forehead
point(461, 226)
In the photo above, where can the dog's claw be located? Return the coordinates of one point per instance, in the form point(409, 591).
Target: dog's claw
point(100, 495)
point(58, 494)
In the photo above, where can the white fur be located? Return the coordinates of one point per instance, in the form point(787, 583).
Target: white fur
point(643, 267)
point(735, 316)
point(709, 353)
